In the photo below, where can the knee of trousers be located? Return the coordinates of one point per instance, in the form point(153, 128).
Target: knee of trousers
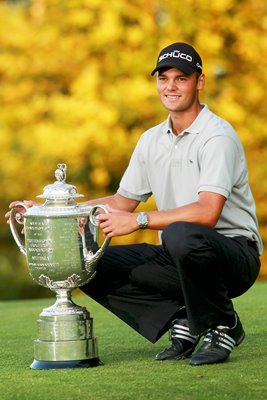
point(181, 239)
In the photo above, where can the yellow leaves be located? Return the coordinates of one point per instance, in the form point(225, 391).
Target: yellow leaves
point(38, 8)
point(219, 6)
point(135, 36)
point(81, 18)
point(76, 86)
point(216, 43)
point(229, 109)
point(256, 93)
point(107, 28)
point(87, 83)
point(100, 177)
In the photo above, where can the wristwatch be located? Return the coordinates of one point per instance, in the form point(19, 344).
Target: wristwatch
point(142, 220)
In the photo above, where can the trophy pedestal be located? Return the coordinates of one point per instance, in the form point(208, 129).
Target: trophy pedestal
point(65, 336)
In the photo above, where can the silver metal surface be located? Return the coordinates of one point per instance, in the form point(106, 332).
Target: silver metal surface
point(62, 251)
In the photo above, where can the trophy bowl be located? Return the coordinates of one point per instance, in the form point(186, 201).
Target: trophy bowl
point(62, 251)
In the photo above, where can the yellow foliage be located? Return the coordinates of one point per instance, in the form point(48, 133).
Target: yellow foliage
point(76, 86)
point(100, 177)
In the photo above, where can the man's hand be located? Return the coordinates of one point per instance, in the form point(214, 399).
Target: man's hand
point(117, 222)
point(28, 203)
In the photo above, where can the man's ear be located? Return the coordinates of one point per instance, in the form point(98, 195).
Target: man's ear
point(201, 82)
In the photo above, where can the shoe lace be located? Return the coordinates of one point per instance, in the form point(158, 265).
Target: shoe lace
point(213, 336)
point(217, 337)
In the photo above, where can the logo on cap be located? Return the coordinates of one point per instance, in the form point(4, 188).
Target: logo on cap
point(176, 54)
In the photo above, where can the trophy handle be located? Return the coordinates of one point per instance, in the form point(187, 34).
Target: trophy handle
point(18, 217)
point(94, 221)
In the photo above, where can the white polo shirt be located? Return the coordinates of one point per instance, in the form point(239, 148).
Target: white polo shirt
point(208, 156)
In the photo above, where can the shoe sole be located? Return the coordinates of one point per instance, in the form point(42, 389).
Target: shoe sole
point(186, 354)
point(182, 356)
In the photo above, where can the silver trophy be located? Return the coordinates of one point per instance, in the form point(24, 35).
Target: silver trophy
point(62, 250)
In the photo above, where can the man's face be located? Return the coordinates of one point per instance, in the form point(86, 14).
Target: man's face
point(178, 92)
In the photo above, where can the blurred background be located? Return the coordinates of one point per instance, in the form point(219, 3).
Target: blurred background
point(75, 87)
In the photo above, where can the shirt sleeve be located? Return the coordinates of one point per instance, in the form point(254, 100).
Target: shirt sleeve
point(218, 161)
point(135, 182)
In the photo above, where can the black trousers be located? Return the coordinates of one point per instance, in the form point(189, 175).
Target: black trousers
point(195, 267)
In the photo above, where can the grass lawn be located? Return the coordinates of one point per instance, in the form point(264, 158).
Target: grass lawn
point(130, 371)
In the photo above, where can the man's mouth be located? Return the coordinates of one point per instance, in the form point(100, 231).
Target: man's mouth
point(172, 96)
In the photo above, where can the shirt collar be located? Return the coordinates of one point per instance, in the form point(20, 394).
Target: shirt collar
point(195, 127)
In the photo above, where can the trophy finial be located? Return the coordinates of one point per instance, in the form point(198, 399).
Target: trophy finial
point(61, 172)
point(60, 190)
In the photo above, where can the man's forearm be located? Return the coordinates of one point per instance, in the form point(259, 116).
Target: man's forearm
point(205, 211)
point(116, 201)
point(102, 200)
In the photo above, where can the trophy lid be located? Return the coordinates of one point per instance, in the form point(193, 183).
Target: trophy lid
point(59, 199)
point(60, 190)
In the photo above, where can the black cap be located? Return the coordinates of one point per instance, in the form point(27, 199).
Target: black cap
point(181, 56)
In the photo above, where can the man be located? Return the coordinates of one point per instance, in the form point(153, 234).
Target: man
point(194, 165)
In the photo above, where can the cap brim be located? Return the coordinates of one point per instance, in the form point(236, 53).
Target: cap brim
point(188, 70)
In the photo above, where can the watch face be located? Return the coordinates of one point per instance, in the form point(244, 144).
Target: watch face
point(142, 220)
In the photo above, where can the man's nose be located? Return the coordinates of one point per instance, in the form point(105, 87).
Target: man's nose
point(171, 85)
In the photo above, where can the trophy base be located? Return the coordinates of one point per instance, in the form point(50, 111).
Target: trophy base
point(93, 362)
point(65, 336)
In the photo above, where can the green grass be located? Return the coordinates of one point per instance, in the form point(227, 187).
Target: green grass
point(130, 371)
